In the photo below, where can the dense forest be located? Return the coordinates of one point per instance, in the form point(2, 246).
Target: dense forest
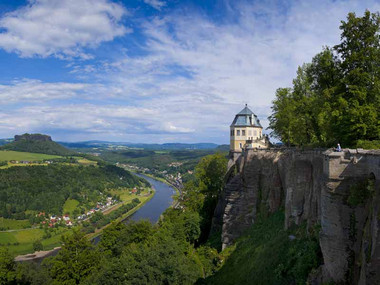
point(336, 97)
point(46, 188)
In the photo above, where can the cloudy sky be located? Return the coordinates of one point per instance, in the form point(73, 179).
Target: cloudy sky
point(153, 70)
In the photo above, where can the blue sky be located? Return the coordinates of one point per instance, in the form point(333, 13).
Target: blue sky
point(153, 71)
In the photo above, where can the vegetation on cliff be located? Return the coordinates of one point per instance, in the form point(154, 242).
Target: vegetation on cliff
point(269, 254)
point(336, 97)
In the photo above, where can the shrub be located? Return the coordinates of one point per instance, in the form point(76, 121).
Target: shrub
point(366, 144)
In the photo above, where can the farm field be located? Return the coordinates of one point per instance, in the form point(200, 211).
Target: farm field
point(85, 161)
point(6, 155)
point(126, 197)
point(21, 241)
point(11, 224)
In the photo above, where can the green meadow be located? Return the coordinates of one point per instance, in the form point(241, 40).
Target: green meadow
point(21, 241)
point(6, 155)
point(69, 206)
point(11, 224)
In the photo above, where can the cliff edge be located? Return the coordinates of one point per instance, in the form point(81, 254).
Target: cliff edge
point(337, 190)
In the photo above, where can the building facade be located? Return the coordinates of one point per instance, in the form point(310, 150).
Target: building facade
point(247, 132)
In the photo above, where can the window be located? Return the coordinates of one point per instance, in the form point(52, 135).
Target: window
point(255, 133)
point(238, 133)
point(243, 132)
point(232, 133)
point(241, 146)
point(250, 133)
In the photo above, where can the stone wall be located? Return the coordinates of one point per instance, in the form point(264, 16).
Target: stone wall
point(313, 187)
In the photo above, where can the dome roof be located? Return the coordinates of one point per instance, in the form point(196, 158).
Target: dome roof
point(246, 118)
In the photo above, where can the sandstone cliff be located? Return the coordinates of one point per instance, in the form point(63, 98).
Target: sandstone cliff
point(337, 190)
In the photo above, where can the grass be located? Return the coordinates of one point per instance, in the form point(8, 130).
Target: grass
point(21, 242)
point(6, 155)
point(69, 206)
point(85, 161)
point(11, 224)
point(126, 197)
point(273, 257)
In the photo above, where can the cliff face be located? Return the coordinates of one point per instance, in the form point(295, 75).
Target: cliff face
point(339, 191)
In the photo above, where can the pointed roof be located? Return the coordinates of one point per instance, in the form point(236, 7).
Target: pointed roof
point(246, 111)
point(246, 118)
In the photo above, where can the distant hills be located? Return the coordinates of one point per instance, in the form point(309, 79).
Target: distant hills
point(44, 144)
point(36, 143)
point(165, 146)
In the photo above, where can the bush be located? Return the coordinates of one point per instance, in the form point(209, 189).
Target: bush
point(37, 246)
point(375, 144)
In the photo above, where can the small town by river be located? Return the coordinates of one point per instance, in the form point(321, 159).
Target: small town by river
point(151, 211)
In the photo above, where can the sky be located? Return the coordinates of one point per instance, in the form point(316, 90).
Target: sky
point(154, 71)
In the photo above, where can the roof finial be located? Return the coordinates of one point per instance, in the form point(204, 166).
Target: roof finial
point(246, 104)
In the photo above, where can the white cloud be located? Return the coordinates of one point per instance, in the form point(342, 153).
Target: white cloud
point(156, 4)
point(35, 90)
point(195, 75)
point(207, 70)
point(108, 121)
point(32, 90)
point(61, 28)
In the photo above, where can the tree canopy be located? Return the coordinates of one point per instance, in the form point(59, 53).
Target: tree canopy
point(336, 97)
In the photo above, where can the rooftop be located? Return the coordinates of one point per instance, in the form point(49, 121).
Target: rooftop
point(246, 118)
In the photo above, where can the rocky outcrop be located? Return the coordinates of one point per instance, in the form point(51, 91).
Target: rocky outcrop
point(316, 187)
point(33, 137)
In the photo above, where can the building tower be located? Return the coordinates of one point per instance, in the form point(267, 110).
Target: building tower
point(246, 131)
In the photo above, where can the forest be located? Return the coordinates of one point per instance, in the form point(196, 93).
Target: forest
point(43, 188)
point(335, 98)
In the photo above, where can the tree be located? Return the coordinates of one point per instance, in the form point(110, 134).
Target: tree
point(210, 173)
point(360, 87)
point(37, 246)
point(75, 261)
point(336, 98)
point(7, 267)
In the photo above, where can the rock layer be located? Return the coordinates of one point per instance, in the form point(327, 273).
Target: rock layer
point(313, 187)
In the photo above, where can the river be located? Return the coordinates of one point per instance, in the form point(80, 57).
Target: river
point(161, 200)
point(152, 211)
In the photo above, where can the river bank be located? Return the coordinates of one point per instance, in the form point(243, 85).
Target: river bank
point(150, 209)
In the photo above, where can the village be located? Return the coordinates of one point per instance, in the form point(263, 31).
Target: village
point(52, 221)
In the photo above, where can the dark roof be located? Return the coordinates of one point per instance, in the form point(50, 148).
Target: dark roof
point(246, 111)
point(246, 118)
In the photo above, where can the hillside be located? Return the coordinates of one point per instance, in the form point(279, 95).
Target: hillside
point(46, 188)
point(37, 143)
